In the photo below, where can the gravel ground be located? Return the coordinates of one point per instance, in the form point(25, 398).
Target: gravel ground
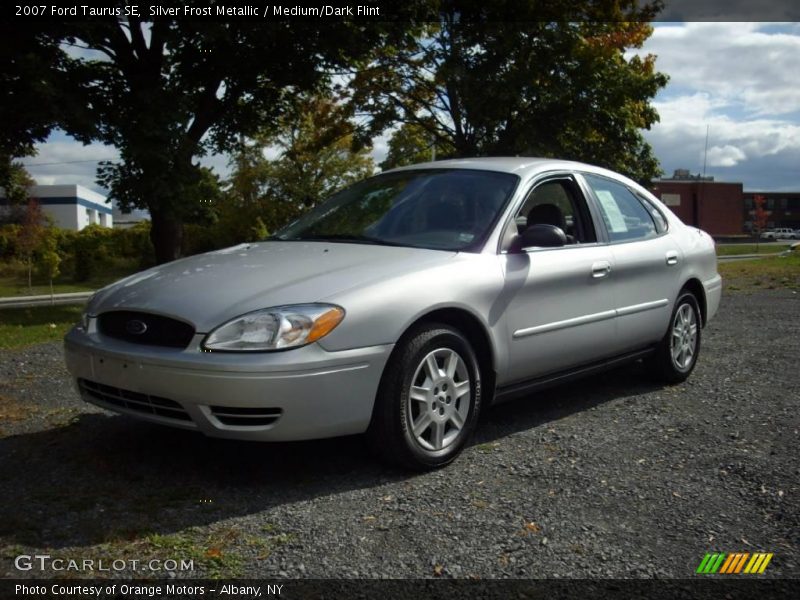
point(612, 476)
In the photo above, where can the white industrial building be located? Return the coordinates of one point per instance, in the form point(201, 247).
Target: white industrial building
point(72, 206)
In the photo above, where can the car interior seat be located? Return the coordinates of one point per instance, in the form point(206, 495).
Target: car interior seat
point(549, 214)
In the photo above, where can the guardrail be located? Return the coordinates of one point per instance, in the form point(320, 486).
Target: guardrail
point(45, 300)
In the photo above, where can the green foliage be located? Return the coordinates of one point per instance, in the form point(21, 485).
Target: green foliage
point(18, 182)
point(30, 235)
point(9, 234)
point(412, 144)
point(200, 238)
point(316, 153)
point(31, 230)
point(316, 157)
point(82, 255)
point(48, 260)
point(259, 229)
point(21, 327)
point(91, 248)
point(30, 102)
point(166, 92)
point(554, 81)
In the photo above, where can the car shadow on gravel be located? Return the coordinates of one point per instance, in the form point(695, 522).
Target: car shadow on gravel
point(104, 478)
point(555, 403)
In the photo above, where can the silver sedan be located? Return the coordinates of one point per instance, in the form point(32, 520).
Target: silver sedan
point(403, 305)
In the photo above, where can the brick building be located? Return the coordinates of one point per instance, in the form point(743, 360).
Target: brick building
point(783, 209)
point(713, 206)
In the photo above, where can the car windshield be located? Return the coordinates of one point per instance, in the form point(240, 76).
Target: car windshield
point(443, 209)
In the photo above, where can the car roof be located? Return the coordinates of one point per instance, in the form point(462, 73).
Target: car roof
point(525, 167)
point(518, 165)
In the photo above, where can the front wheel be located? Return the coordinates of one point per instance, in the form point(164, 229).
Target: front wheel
point(429, 399)
point(677, 352)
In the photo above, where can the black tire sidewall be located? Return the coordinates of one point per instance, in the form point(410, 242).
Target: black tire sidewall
point(400, 440)
point(667, 365)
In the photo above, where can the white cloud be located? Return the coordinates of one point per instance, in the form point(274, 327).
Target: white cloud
point(380, 146)
point(741, 64)
point(734, 80)
point(725, 156)
point(62, 160)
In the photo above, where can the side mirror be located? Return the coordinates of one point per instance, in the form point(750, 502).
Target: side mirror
point(542, 236)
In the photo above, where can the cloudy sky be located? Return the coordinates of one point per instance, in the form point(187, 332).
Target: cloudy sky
point(735, 80)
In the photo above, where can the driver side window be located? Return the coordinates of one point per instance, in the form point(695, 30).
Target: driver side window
point(558, 202)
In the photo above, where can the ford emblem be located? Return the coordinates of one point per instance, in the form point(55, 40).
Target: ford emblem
point(135, 327)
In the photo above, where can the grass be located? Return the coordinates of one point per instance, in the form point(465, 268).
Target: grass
point(735, 249)
point(25, 326)
point(14, 280)
point(775, 272)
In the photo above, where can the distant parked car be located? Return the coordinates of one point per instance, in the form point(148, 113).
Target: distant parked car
point(403, 305)
point(781, 233)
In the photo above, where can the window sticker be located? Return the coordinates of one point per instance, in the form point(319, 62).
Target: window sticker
point(615, 219)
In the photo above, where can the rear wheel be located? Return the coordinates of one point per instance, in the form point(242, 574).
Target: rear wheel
point(429, 399)
point(677, 353)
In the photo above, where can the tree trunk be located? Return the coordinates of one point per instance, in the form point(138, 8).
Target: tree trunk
point(166, 234)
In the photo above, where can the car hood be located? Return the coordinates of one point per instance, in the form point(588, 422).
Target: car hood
point(208, 289)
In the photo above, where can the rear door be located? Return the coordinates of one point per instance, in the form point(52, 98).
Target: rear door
point(646, 261)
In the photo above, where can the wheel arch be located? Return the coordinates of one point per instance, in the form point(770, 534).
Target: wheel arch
point(694, 286)
point(477, 335)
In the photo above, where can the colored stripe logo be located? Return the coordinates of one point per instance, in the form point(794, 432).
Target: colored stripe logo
point(734, 563)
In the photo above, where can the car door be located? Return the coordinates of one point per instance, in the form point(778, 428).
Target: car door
point(647, 261)
point(558, 303)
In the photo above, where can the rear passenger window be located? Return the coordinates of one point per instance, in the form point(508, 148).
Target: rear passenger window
point(658, 216)
point(624, 215)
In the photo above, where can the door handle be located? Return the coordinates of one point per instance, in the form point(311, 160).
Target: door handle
point(601, 269)
point(672, 258)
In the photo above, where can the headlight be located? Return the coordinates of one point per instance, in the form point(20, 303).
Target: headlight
point(275, 328)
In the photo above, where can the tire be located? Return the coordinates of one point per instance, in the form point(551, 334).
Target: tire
point(677, 352)
point(429, 399)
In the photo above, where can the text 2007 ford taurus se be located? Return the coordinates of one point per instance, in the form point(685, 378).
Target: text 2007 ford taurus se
point(402, 305)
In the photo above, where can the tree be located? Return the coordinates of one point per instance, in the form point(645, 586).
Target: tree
point(525, 78)
point(411, 144)
point(30, 235)
point(30, 81)
point(760, 217)
point(17, 192)
point(316, 156)
point(48, 260)
point(166, 92)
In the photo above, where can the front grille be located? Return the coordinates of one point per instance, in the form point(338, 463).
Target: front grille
point(145, 328)
point(143, 403)
point(245, 417)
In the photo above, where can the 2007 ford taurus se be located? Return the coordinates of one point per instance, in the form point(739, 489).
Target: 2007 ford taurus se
point(403, 305)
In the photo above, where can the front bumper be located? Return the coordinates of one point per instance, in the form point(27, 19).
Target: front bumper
point(305, 393)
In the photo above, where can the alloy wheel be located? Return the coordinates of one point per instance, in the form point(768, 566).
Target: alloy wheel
point(439, 399)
